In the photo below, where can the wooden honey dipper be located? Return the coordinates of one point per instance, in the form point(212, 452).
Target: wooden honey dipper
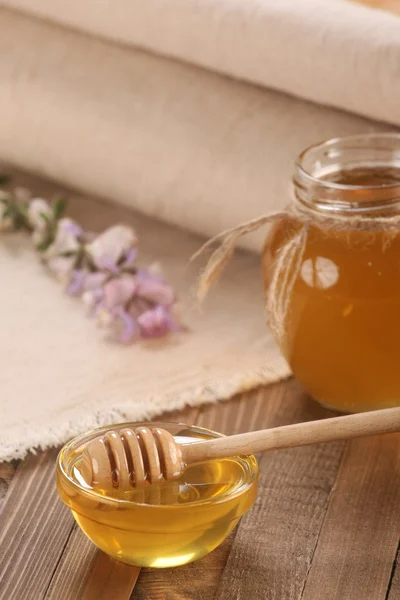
point(131, 457)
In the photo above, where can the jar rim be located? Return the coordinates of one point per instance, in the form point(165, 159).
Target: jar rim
point(314, 167)
point(365, 140)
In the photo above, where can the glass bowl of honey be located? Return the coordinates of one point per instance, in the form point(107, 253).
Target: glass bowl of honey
point(163, 525)
point(332, 270)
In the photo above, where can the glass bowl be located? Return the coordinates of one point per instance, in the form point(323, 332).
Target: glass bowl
point(167, 524)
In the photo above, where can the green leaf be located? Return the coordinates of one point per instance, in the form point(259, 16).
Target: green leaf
point(8, 212)
point(5, 179)
point(59, 206)
point(42, 246)
point(23, 211)
point(45, 217)
point(18, 222)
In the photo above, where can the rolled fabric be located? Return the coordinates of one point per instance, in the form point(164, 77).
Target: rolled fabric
point(177, 142)
point(334, 52)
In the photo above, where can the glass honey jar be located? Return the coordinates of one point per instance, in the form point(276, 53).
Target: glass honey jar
point(331, 267)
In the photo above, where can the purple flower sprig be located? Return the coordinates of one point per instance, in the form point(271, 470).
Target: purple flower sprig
point(134, 302)
point(102, 269)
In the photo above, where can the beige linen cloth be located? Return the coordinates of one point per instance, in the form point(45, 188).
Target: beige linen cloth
point(191, 147)
point(188, 146)
point(334, 52)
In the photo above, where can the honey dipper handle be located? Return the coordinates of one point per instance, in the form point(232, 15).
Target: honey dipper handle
point(300, 434)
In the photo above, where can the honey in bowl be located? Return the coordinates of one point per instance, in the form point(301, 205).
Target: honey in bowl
point(342, 326)
point(166, 524)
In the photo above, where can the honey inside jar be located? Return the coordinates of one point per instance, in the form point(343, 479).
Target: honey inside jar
point(167, 524)
point(342, 326)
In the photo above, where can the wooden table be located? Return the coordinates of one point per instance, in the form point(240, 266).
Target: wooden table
point(326, 523)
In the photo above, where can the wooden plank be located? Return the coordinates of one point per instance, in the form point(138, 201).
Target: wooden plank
point(34, 529)
point(69, 579)
point(86, 573)
point(276, 540)
point(7, 471)
point(109, 579)
point(360, 537)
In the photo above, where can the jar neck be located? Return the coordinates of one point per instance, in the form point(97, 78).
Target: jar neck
point(358, 175)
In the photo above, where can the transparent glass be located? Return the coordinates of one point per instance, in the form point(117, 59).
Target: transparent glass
point(161, 525)
point(342, 325)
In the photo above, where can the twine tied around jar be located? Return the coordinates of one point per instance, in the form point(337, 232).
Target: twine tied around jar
point(289, 258)
point(285, 272)
point(223, 253)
